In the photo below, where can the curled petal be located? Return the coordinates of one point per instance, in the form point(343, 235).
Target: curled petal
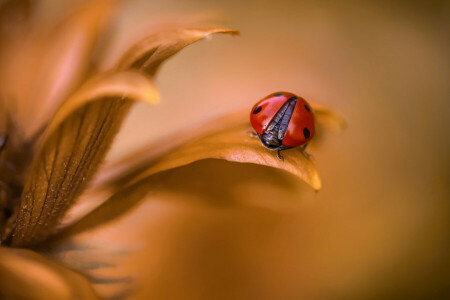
point(236, 144)
point(149, 53)
point(120, 171)
point(223, 138)
point(130, 84)
point(24, 274)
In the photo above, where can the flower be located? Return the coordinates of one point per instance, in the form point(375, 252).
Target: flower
point(60, 114)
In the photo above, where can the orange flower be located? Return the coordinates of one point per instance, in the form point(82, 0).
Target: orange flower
point(60, 115)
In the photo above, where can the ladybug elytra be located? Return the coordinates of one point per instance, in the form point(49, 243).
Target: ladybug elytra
point(282, 121)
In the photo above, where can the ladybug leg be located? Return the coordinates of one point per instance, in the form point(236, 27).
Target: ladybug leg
point(280, 157)
point(306, 154)
point(252, 133)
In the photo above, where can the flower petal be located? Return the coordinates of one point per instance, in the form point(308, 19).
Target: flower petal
point(72, 153)
point(114, 175)
point(130, 219)
point(74, 147)
point(236, 144)
point(46, 64)
point(130, 83)
point(24, 274)
point(119, 171)
point(149, 53)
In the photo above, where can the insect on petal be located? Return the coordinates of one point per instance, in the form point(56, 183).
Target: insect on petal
point(118, 172)
point(223, 138)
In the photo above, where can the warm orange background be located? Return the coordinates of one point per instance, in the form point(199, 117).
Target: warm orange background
point(378, 228)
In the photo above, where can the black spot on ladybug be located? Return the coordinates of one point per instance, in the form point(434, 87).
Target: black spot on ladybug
point(257, 110)
point(278, 95)
point(306, 133)
point(307, 108)
point(293, 98)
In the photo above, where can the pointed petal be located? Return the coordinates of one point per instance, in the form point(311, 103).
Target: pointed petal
point(149, 53)
point(25, 274)
point(72, 151)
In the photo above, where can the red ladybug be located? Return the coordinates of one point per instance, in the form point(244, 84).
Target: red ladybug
point(283, 120)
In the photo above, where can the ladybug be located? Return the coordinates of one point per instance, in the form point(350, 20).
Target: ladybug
point(282, 121)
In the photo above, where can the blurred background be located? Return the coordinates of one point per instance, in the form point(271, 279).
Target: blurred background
point(378, 229)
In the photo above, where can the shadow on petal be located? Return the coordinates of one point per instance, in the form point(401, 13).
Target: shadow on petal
point(223, 138)
point(211, 182)
point(136, 219)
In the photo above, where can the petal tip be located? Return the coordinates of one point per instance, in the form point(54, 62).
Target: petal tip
point(223, 31)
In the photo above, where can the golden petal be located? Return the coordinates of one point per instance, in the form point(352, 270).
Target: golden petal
point(130, 84)
point(73, 151)
point(149, 53)
point(236, 144)
point(25, 274)
point(74, 147)
point(114, 175)
point(45, 65)
point(121, 170)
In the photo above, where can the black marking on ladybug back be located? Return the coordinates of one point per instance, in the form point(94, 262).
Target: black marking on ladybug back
point(293, 98)
point(306, 133)
point(257, 110)
point(278, 95)
point(307, 108)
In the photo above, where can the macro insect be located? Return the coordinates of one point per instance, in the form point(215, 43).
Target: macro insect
point(282, 121)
